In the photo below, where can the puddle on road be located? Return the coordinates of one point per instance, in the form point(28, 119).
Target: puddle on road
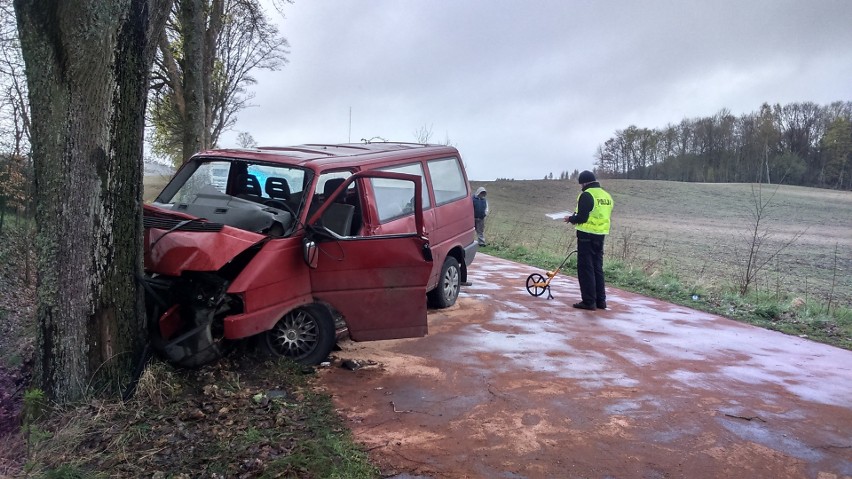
point(645, 406)
point(672, 434)
point(760, 433)
point(531, 349)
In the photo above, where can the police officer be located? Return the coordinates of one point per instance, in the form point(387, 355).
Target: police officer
point(591, 218)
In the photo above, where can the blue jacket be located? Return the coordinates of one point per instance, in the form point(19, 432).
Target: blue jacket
point(479, 207)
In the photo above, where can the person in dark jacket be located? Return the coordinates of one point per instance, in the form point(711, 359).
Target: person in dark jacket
point(592, 220)
point(480, 211)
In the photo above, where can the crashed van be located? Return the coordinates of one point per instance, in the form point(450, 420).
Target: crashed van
point(294, 247)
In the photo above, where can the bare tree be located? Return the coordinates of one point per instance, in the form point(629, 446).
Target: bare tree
point(15, 167)
point(757, 253)
point(14, 108)
point(447, 140)
point(423, 134)
point(206, 57)
point(87, 64)
point(245, 140)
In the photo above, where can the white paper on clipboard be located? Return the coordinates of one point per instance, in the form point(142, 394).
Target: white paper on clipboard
point(560, 215)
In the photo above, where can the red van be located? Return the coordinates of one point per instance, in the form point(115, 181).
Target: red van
point(297, 245)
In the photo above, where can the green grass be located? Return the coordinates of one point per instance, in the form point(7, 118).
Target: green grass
point(68, 472)
point(153, 185)
point(329, 452)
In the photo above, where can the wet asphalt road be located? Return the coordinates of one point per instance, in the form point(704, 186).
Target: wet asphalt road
point(507, 385)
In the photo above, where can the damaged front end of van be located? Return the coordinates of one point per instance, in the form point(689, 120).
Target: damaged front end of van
point(190, 266)
point(250, 254)
point(201, 236)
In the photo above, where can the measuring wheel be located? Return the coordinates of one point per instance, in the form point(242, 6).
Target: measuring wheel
point(536, 284)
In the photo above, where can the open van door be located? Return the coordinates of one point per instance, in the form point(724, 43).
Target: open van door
point(378, 283)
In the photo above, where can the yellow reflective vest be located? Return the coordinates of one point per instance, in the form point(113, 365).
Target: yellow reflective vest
point(598, 222)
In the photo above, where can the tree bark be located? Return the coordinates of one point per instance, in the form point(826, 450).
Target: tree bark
point(87, 63)
point(211, 42)
point(192, 23)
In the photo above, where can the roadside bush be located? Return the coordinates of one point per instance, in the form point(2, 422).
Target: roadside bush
point(769, 311)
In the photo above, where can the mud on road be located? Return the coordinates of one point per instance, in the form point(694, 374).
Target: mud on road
point(507, 385)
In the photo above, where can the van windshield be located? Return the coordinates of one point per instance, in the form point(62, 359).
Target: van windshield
point(239, 193)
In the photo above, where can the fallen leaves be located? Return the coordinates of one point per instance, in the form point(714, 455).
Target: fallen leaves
point(231, 419)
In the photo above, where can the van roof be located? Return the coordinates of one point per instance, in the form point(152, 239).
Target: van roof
point(323, 156)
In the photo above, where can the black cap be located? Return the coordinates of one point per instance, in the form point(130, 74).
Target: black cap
point(586, 177)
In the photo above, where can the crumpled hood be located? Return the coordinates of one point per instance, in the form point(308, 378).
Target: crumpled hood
point(176, 242)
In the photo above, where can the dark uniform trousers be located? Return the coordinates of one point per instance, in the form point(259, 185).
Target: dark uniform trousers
point(590, 248)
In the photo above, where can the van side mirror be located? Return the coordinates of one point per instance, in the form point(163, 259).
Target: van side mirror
point(310, 252)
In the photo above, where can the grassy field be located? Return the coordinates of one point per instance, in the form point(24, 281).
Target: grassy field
point(153, 186)
point(700, 231)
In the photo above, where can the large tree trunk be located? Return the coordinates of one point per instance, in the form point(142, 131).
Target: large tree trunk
point(87, 63)
point(211, 42)
point(192, 22)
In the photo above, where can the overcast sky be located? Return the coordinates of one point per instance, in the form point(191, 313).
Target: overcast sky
point(525, 88)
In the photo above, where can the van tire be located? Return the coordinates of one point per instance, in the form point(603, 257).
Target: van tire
point(305, 335)
point(449, 282)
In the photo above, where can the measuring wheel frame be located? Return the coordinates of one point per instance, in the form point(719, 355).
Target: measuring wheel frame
point(537, 284)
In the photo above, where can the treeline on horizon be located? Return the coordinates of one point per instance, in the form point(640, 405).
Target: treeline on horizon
point(796, 144)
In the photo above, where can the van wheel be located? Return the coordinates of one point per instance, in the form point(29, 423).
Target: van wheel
point(445, 294)
point(305, 335)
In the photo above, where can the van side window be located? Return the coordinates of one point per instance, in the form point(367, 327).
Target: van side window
point(344, 216)
point(447, 180)
point(329, 181)
point(394, 198)
point(413, 169)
